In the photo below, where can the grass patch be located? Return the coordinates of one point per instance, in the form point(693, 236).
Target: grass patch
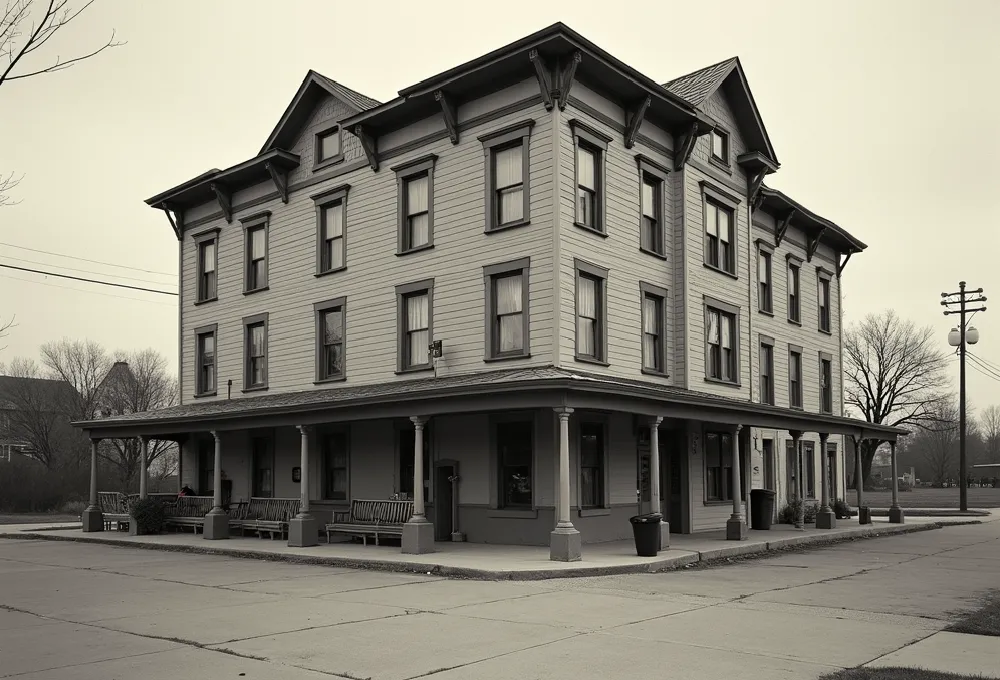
point(985, 621)
point(893, 673)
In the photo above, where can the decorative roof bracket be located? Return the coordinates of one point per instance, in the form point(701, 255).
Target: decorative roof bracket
point(176, 220)
point(843, 263)
point(450, 116)
point(225, 200)
point(635, 121)
point(368, 144)
point(544, 76)
point(813, 243)
point(754, 194)
point(686, 146)
point(779, 233)
point(566, 76)
point(280, 179)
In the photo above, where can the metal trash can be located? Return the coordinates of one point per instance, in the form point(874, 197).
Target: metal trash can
point(646, 530)
point(761, 508)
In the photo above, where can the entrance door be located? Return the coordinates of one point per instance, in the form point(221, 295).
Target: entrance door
point(263, 468)
point(443, 502)
point(769, 480)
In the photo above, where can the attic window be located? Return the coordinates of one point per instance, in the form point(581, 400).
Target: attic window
point(720, 146)
point(328, 147)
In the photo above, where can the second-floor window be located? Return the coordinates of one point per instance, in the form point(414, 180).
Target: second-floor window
point(330, 339)
point(794, 299)
point(591, 313)
point(507, 175)
point(795, 377)
point(507, 309)
point(331, 223)
point(719, 251)
point(766, 371)
point(255, 352)
point(255, 252)
point(205, 382)
point(721, 332)
point(826, 383)
point(651, 237)
point(208, 262)
point(823, 293)
point(765, 297)
point(416, 204)
point(415, 310)
point(654, 355)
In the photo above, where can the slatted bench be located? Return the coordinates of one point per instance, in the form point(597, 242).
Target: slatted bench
point(371, 518)
point(114, 509)
point(189, 511)
point(266, 516)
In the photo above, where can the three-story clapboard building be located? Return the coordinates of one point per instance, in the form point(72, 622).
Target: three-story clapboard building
point(541, 288)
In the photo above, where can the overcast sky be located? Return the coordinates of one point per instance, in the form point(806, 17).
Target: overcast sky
point(880, 113)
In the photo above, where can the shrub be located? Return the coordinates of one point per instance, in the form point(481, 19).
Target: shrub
point(73, 507)
point(789, 513)
point(147, 513)
point(905, 486)
point(841, 509)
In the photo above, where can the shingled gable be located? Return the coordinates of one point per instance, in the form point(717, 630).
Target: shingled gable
point(314, 87)
point(698, 86)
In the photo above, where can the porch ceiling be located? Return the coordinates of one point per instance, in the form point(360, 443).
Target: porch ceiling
point(537, 387)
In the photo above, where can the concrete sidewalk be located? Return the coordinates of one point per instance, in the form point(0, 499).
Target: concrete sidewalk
point(500, 562)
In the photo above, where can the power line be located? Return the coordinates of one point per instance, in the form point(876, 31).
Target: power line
point(79, 278)
point(984, 368)
point(84, 271)
point(84, 290)
point(986, 361)
point(83, 259)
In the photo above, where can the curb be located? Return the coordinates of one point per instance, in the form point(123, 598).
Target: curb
point(706, 558)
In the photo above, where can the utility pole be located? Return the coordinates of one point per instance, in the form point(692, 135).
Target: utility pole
point(958, 337)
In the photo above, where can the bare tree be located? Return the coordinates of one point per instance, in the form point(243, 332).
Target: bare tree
point(895, 375)
point(989, 426)
point(137, 382)
point(938, 444)
point(83, 364)
point(34, 413)
point(26, 28)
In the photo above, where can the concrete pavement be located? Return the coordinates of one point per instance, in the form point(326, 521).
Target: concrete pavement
point(82, 611)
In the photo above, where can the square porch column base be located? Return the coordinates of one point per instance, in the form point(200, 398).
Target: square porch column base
point(896, 515)
point(418, 538)
point(93, 519)
point(825, 519)
point(565, 545)
point(216, 525)
point(736, 529)
point(664, 535)
point(303, 532)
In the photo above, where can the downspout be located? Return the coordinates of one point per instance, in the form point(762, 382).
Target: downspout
point(840, 367)
point(750, 312)
point(556, 237)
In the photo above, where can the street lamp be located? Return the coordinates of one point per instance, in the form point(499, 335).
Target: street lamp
point(960, 337)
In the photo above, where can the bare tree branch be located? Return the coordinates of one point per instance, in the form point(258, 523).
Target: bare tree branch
point(7, 183)
point(5, 326)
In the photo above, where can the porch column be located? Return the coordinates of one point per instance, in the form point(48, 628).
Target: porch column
point(303, 529)
point(859, 484)
point(800, 518)
point(564, 541)
point(736, 527)
point(217, 519)
point(895, 511)
point(418, 533)
point(143, 461)
point(825, 519)
point(93, 519)
point(654, 482)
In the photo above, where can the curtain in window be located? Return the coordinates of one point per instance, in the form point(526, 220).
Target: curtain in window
point(258, 243)
point(723, 225)
point(586, 167)
point(208, 258)
point(651, 332)
point(713, 328)
point(417, 206)
point(586, 310)
point(333, 218)
point(508, 301)
point(791, 281)
point(762, 276)
point(257, 358)
point(509, 184)
point(648, 200)
point(333, 338)
point(711, 220)
point(417, 321)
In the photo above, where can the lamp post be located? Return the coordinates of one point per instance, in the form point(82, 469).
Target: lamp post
point(959, 337)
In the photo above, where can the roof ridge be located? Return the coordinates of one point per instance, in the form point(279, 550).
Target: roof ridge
point(704, 68)
point(361, 100)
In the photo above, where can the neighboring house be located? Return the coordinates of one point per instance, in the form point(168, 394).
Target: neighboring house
point(34, 420)
point(541, 228)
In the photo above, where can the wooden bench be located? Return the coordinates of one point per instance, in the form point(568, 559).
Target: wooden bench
point(189, 511)
point(114, 509)
point(266, 516)
point(371, 518)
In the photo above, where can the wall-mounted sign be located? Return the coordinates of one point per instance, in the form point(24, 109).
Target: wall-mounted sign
point(296, 474)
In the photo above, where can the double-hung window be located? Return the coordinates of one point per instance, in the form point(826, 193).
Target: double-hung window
point(720, 146)
point(592, 465)
point(415, 182)
point(208, 263)
point(720, 210)
point(255, 352)
point(331, 224)
point(652, 179)
point(823, 295)
point(590, 148)
point(718, 466)
point(826, 382)
point(765, 289)
point(416, 324)
point(255, 230)
point(330, 339)
point(205, 380)
point(591, 312)
point(654, 343)
point(335, 465)
point(794, 376)
point(766, 370)
point(507, 329)
point(794, 299)
point(722, 342)
point(507, 175)
point(809, 469)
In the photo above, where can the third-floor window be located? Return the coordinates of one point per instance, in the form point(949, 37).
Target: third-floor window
point(507, 175)
point(823, 293)
point(794, 299)
point(765, 293)
point(416, 204)
point(590, 149)
point(652, 225)
point(208, 262)
point(721, 329)
point(255, 252)
point(719, 251)
point(331, 229)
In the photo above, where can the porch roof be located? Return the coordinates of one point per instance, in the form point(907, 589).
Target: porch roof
point(533, 387)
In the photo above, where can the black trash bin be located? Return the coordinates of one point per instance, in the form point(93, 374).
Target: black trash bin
point(761, 508)
point(646, 529)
